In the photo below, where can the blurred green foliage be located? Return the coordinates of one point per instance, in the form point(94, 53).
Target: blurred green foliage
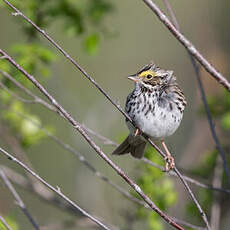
point(204, 169)
point(83, 18)
point(220, 110)
point(158, 187)
point(10, 222)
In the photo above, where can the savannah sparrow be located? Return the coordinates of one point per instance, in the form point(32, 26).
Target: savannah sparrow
point(156, 106)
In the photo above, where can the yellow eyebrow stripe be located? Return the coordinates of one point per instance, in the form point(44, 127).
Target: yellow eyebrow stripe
point(145, 73)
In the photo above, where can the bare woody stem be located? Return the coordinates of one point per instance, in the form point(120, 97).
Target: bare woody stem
point(18, 199)
point(56, 190)
point(77, 126)
point(188, 45)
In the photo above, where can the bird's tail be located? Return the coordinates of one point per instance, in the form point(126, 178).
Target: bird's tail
point(133, 145)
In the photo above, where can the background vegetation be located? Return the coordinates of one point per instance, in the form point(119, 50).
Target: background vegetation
point(111, 39)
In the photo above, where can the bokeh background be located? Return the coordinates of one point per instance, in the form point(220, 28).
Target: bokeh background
point(133, 37)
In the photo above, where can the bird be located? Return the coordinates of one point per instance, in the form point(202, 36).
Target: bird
point(156, 107)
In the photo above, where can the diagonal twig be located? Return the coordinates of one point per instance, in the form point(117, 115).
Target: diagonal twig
point(77, 126)
point(187, 44)
point(36, 99)
point(23, 182)
point(18, 199)
point(56, 190)
point(5, 223)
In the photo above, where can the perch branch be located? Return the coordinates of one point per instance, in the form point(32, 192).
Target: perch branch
point(77, 126)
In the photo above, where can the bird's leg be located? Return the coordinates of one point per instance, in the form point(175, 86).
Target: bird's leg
point(170, 164)
point(138, 132)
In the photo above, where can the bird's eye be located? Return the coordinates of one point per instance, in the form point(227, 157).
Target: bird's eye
point(149, 76)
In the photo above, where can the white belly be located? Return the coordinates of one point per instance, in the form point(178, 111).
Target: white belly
point(158, 124)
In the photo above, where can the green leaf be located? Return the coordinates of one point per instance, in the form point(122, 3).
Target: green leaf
point(98, 9)
point(91, 44)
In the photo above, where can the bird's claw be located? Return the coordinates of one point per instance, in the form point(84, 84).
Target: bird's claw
point(170, 163)
point(138, 132)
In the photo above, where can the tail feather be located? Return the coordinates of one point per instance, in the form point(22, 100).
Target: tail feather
point(123, 148)
point(133, 145)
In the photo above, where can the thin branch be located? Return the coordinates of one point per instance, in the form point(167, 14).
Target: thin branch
point(203, 97)
point(188, 179)
point(107, 141)
point(83, 160)
point(26, 184)
point(5, 223)
point(194, 227)
point(18, 199)
point(81, 130)
point(202, 213)
point(211, 124)
point(56, 190)
point(21, 181)
point(36, 99)
point(187, 44)
point(15, 95)
point(216, 205)
point(103, 139)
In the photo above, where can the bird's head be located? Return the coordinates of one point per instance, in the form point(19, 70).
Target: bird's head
point(151, 75)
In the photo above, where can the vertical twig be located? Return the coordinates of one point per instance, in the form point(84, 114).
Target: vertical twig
point(210, 121)
point(216, 206)
point(18, 199)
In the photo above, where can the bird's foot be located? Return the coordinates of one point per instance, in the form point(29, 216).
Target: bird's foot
point(170, 163)
point(138, 132)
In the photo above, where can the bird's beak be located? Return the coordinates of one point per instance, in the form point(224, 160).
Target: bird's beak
point(134, 78)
